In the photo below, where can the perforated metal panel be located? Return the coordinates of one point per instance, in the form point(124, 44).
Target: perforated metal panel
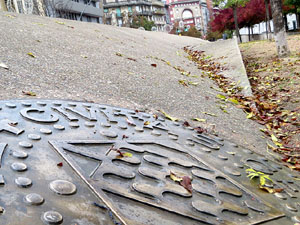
point(59, 145)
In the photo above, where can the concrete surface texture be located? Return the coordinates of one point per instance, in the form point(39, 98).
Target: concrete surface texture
point(112, 65)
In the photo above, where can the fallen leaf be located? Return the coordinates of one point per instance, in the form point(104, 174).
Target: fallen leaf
point(271, 190)
point(187, 183)
point(10, 16)
point(30, 54)
point(186, 124)
point(210, 114)
point(2, 65)
point(30, 93)
point(146, 123)
point(182, 82)
point(84, 56)
point(119, 54)
point(124, 136)
point(127, 154)
point(58, 22)
point(199, 120)
point(154, 65)
point(250, 115)
point(59, 164)
point(132, 59)
point(175, 177)
point(193, 83)
point(222, 97)
point(168, 116)
point(200, 130)
point(233, 101)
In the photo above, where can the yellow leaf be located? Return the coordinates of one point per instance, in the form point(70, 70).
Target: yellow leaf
point(270, 190)
point(118, 54)
point(199, 120)
point(233, 101)
point(250, 115)
point(10, 16)
point(210, 114)
point(193, 83)
point(168, 116)
point(30, 93)
point(231, 153)
point(274, 138)
point(174, 177)
point(61, 23)
point(222, 97)
point(30, 54)
point(146, 123)
point(127, 154)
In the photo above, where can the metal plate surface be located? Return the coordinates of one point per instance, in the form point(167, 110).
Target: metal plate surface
point(57, 166)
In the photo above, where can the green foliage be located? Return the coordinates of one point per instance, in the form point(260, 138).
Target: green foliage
point(262, 177)
point(213, 36)
point(192, 32)
point(141, 21)
point(229, 3)
point(229, 33)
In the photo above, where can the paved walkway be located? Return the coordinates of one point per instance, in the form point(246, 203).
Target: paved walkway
point(111, 65)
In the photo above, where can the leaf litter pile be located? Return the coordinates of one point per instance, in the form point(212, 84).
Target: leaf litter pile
point(275, 103)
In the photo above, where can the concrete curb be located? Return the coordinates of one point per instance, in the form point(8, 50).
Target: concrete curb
point(227, 53)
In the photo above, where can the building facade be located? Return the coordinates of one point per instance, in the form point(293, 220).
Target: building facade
point(83, 10)
point(121, 13)
point(189, 13)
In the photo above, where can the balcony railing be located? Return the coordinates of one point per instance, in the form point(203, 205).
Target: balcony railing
point(144, 13)
point(159, 12)
point(127, 3)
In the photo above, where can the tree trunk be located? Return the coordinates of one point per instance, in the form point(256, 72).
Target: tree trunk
point(298, 20)
point(236, 24)
point(249, 38)
point(2, 6)
point(285, 23)
point(268, 29)
point(279, 31)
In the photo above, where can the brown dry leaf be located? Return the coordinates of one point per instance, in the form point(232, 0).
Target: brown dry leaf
point(154, 65)
point(132, 59)
point(187, 183)
point(271, 190)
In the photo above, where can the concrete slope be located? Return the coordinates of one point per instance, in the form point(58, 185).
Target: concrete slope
point(80, 61)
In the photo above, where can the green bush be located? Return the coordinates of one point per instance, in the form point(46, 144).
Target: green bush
point(140, 21)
